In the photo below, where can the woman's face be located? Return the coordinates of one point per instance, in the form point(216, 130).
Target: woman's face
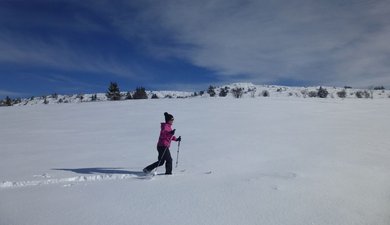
point(170, 122)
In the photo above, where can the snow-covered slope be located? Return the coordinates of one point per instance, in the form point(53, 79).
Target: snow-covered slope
point(273, 161)
point(249, 90)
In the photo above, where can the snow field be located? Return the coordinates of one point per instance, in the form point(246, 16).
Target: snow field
point(242, 161)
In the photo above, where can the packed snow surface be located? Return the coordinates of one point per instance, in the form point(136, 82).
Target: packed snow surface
point(274, 161)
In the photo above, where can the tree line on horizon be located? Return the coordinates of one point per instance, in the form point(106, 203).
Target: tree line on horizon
point(114, 94)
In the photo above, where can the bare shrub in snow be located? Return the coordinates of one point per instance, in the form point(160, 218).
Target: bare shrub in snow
point(211, 91)
point(304, 93)
point(265, 93)
point(237, 92)
point(362, 94)
point(80, 96)
point(55, 95)
point(312, 94)
point(379, 88)
point(224, 92)
point(252, 91)
point(342, 94)
point(322, 93)
point(128, 96)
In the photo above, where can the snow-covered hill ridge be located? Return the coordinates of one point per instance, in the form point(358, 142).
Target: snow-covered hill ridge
point(247, 90)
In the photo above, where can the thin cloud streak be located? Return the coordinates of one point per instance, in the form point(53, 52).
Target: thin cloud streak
point(12, 93)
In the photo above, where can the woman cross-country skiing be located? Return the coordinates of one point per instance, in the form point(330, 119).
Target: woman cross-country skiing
point(164, 141)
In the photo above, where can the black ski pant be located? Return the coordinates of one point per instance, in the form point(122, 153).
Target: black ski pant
point(164, 156)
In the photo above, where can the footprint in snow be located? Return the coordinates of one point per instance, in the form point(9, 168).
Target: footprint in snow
point(45, 175)
point(275, 187)
point(285, 175)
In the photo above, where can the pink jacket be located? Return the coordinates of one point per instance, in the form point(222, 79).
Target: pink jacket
point(165, 135)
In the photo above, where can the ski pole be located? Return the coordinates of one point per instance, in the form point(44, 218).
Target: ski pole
point(177, 154)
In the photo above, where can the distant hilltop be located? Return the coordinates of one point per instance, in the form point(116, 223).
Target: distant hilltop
point(235, 90)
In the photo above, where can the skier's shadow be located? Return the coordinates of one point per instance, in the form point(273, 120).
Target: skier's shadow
point(101, 170)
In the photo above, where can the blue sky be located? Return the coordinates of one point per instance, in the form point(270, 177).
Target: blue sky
point(53, 46)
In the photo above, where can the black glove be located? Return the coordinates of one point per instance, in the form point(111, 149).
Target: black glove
point(179, 138)
point(173, 132)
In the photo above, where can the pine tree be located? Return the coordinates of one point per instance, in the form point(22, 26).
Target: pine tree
point(140, 93)
point(113, 92)
point(94, 97)
point(8, 101)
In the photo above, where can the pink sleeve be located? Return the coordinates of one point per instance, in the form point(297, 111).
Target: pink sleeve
point(166, 133)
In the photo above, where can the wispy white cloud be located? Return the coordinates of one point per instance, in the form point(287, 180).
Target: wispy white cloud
point(58, 53)
point(190, 87)
point(317, 41)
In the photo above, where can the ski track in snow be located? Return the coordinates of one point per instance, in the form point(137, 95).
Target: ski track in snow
point(68, 181)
